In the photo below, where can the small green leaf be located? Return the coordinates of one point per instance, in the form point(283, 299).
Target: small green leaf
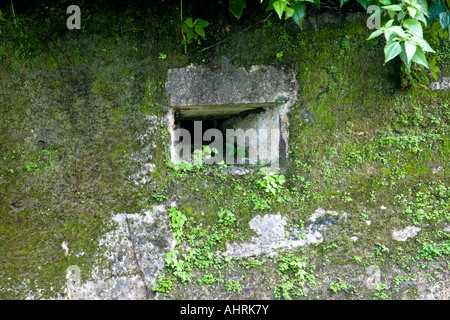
point(236, 7)
point(391, 50)
point(420, 16)
point(343, 2)
point(189, 22)
point(389, 23)
point(395, 29)
point(414, 27)
point(200, 31)
point(229, 149)
point(423, 44)
point(444, 19)
point(434, 75)
point(201, 23)
point(412, 11)
point(375, 34)
point(279, 7)
point(394, 7)
point(190, 35)
point(419, 58)
point(410, 49)
point(289, 12)
point(241, 152)
point(385, 2)
point(434, 69)
point(299, 12)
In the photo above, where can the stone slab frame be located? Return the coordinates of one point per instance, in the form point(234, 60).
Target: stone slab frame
point(200, 92)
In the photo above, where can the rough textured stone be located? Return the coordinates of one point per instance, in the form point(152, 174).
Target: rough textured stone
point(198, 90)
point(404, 234)
point(144, 156)
point(151, 240)
point(238, 171)
point(443, 84)
point(272, 234)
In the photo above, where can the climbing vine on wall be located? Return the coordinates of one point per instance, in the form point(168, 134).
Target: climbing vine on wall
point(402, 22)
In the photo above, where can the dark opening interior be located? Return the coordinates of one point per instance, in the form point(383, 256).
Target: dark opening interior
point(206, 124)
point(216, 122)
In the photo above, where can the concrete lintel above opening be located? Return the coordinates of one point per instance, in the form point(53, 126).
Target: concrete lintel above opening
point(220, 111)
point(206, 86)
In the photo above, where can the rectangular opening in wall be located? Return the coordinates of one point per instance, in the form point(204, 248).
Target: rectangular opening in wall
point(239, 136)
point(245, 110)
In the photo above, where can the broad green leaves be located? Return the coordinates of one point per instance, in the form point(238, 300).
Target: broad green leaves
point(280, 7)
point(299, 12)
point(444, 19)
point(295, 9)
point(404, 33)
point(414, 27)
point(434, 69)
point(391, 50)
point(436, 7)
point(193, 29)
point(410, 50)
point(236, 7)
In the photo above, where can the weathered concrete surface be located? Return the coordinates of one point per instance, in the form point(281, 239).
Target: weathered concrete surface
point(404, 234)
point(135, 252)
point(272, 233)
point(198, 90)
point(442, 84)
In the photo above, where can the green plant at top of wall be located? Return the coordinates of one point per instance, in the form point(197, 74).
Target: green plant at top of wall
point(403, 27)
point(193, 29)
point(404, 37)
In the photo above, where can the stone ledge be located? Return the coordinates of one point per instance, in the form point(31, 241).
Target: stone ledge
point(229, 87)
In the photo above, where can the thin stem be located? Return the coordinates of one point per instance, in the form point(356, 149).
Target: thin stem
point(14, 14)
point(234, 35)
point(182, 33)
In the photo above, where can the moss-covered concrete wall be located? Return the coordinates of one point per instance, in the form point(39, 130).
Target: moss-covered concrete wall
point(84, 140)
